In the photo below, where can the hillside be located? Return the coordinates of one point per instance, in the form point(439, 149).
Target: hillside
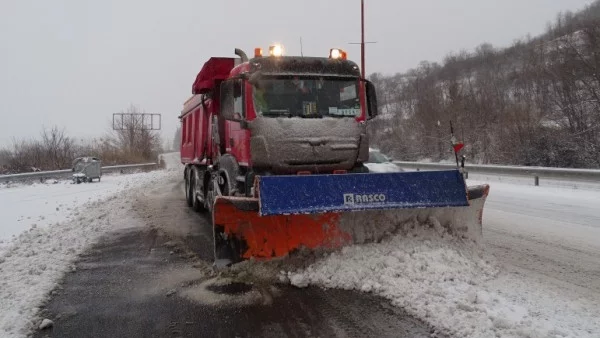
point(534, 103)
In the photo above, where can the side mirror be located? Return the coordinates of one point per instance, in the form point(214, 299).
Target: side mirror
point(253, 79)
point(371, 100)
point(237, 90)
point(227, 101)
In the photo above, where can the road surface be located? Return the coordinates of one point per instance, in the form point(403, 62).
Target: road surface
point(156, 281)
point(546, 232)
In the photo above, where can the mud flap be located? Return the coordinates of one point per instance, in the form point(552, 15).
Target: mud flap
point(241, 233)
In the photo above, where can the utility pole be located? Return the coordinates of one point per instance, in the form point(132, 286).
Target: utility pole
point(362, 39)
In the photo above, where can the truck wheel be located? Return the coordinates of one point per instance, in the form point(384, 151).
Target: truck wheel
point(188, 187)
point(227, 251)
point(196, 204)
point(360, 169)
point(209, 201)
point(217, 186)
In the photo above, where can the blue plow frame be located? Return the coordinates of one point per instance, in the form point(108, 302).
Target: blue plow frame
point(309, 194)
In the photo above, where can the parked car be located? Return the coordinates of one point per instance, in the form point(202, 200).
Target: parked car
point(380, 163)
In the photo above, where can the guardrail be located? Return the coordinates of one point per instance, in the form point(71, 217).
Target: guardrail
point(533, 172)
point(68, 172)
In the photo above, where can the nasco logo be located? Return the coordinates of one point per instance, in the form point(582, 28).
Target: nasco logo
point(367, 198)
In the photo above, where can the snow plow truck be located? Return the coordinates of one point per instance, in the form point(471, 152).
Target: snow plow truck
point(274, 150)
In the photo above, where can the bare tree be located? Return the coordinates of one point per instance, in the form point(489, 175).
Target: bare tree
point(177, 138)
point(58, 148)
point(534, 103)
point(134, 138)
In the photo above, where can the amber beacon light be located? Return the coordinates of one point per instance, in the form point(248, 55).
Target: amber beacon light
point(336, 53)
point(276, 50)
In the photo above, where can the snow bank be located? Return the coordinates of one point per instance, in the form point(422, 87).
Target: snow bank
point(33, 263)
point(455, 287)
point(40, 205)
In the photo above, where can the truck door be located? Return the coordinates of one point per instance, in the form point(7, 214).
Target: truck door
point(236, 138)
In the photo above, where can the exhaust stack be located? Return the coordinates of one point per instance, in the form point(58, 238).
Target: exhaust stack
point(241, 54)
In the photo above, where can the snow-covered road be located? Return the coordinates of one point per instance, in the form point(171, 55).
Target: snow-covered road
point(548, 236)
point(553, 232)
point(52, 224)
point(536, 274)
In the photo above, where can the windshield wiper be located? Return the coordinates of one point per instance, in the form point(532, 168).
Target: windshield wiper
point(311, 116)
point(284, 113)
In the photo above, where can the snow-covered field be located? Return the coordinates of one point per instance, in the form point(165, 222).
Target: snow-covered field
point(41, 205)
point(45, 226)
point(535, 275)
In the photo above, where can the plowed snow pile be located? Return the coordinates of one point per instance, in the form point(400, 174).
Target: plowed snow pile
point(455, 287)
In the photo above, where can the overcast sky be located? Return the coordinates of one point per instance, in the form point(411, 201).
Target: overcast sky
point(75, 63)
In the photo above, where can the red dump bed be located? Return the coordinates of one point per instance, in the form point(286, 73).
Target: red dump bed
point(197, 111)
point(213, 71)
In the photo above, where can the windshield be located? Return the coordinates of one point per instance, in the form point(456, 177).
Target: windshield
point(306, 97)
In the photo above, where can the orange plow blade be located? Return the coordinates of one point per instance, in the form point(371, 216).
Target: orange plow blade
point(240, 233)
point(249, 235)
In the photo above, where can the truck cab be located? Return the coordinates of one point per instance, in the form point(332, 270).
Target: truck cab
point(274, 115)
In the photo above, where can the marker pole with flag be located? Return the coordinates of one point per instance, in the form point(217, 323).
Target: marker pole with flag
point(457, 146)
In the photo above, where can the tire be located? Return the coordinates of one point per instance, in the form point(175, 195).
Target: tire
point(226, 251)
point(223, 253)
point(208, 197)
point(230, 168)
point(188, 187)
point(211, 195)
point(196, 204)
point(360, 169)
